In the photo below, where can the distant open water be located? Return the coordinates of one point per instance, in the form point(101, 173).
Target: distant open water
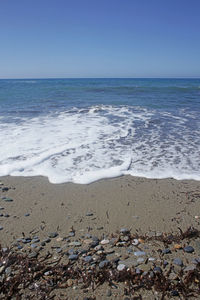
point(82, 130)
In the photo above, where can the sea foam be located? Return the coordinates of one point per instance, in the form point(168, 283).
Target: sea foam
point(85, 145)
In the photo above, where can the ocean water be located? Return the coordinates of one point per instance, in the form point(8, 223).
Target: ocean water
point(83, 130)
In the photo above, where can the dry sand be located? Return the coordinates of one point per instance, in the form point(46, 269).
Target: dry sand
point(101, 208)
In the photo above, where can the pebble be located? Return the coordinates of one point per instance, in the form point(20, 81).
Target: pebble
point(89, 214)
point(103, 263)
point(175, 293)
point(33, 246)
point(157, 270)
point(70, 282)
point(71, 233)
point(6, 215)
point(26, 215)
point(104, 242)
point(140, 260)
point(166, 251)
point(124, 231)
point(135, 242)
point(73, 257)
point(188, 249)
point(7, 199)
point(48, 240)
point(190, 268)
point(1, 215)
point(139, 253)
point(52, 234)
point(75, 244)
point(33, 255)
point(35, 240)
point(88, 259)
point(178, 262)
point(121, 267)
point(1, 208)
point(58, 250)
point(71, 251)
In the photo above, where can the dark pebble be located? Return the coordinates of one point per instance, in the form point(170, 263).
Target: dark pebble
point(1, 208)
point(71, 233)
point(124, 230)
point(1, 227)
point(72, 251)
point(7, 199)
point(19, 247)
point(1, 215)
point(174, 293)
point(73, 257)
point(6, 215)
point(27, 215)
point(188, 249)
point(103, 263)
point(166, 251)
point(88, 259)
point(157, 270)
point(178, 262)
point(52, 235)
point(48, 240)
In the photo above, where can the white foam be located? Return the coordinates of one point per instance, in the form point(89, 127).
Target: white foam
point(86, 145)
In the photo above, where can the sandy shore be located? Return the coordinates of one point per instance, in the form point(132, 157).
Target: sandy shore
point(141, 205)
point(136, 203)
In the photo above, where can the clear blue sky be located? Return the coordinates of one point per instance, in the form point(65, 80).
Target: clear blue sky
point(99, 38)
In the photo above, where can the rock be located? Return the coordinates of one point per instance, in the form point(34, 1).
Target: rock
point(71, 233)
point(35, 240)
point(52, 235)
point(178, 262)
point(121, 267)
point(33, 255)
point(73, 257)
point(48, 240)
point(175, 293)
point(140, 260)
point(103, 263)
point(145, 267)
point(139, 253)
point(70, 282)
point(190, 268)
point(196, 260)
point(33, 246)
point(1, 208)
point(58, 250)
point(151, 259)
point(157, 270)
point(89, 214)
point(7, 199)
point(1, 227)
point(88, 259)
point(188, 249)
point(6, 215)
point(72, 251)
point(104, 242)
point(166, 251)
point(129, 263)
point(109, 293)
point(135, 242)
point(124, 231)
point(75, 244)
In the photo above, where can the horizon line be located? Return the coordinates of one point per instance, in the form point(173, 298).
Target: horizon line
point(40, 78)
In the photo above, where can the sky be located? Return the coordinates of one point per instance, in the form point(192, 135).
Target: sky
point(99, 38)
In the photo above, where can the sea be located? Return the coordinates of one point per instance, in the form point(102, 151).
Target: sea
point(84, 130)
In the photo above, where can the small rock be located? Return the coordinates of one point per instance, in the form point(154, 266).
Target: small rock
point(35, 240)
point(33, 255)
point(121, 267)
point(58, 250)
point(104, 242)
point(73, 257)
point(70, 282)
point(48, 240)
point(157, 270)
point(33, 246)
point(89, 214)
point(52, 235)
point(135, 242)
point(75, 244)
point(139, 253)
point(88, 259)
point(26, 215)
point(166, 251)
point(71, 233)
point(140, 260)
point(175, 293)
point(188, 249)
point(178, 262)
point(7, 199)
point(1, 227)
point(103, 263)
point(190, 268)
point(1, 208)
point(124, 231)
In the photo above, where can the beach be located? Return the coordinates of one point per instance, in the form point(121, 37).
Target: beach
point(31, 206)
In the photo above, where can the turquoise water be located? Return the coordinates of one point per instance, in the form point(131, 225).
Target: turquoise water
point(81, 130)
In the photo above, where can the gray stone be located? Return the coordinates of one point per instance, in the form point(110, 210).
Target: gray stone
point(73, 257)
point(139, 253)
point(75, 244)
point(33, 246)
point(188, 249)
point(1, 208)
point(7, 199)
point(124, 231)
point(1, 227)
point(178, 262)
point(166, 251)
point(35, 240)
point(89, 214)
point(33, 255)
point(88, 259)
point(26, 215)
point(48, 240)
point(121, 267)
point(109, 293)
point(71, 233)
point(103, 263)
point(190, 268)
point(58, 250)
point(52, 235)
point(157, 270)
point(72, 251)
